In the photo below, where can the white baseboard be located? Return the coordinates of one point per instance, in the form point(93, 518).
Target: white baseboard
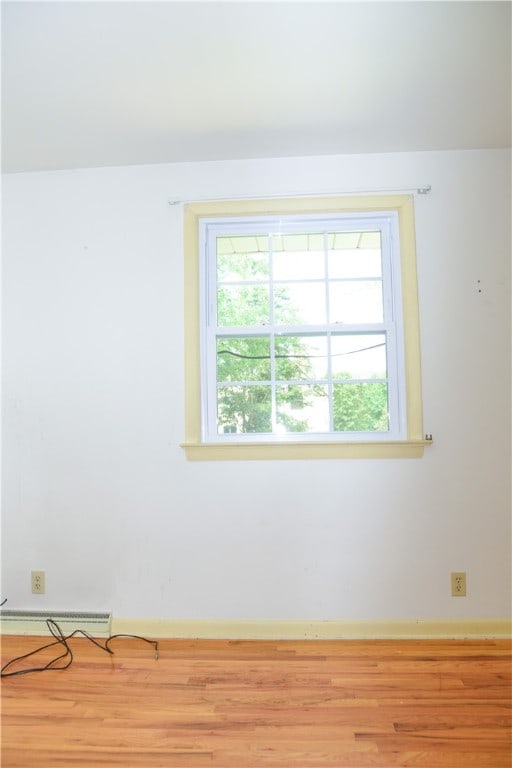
point(314, 630)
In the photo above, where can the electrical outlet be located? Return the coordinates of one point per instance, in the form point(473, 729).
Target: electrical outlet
point(459, 584)
point(38, 582)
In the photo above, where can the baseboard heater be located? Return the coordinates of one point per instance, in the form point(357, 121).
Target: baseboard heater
point(34, 622)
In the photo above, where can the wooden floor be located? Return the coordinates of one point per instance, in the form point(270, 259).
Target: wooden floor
point(302, 704)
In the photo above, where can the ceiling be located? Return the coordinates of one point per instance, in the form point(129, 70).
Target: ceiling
point(88, 84)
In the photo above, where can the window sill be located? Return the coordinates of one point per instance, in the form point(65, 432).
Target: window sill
point(404, 449)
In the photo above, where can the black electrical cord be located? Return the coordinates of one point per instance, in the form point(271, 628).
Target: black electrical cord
point(286, 357)
point(67, 655)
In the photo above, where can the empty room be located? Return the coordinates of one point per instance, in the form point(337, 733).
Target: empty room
point(256, 384)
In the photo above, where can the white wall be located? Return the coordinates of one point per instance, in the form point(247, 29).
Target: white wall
point(97, 491)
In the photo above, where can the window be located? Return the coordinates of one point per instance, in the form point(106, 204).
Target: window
point(302, 329)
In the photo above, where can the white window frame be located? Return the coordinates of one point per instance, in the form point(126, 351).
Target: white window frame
point(207, 219)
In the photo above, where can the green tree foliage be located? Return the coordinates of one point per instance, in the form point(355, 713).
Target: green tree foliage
point(360, 407)
point(248, 407)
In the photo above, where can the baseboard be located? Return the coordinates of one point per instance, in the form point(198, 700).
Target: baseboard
point(315, 630)
point(103, 624)
point(34, 622)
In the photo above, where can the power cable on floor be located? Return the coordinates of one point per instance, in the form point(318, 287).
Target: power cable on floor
point(66, 658)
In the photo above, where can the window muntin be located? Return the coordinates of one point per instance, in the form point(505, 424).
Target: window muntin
point(301, 329)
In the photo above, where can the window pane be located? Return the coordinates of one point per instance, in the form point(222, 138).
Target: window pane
point(355, 264)
point(361, 407)
point(242, 258)
point(302, 408)
point(243, 359)
point(354, 254)
point(298, 257)
point(301, 357)
point(358, 356)
point(244, 409)
point(299, 303)
point(356, 302)
point(242, 305)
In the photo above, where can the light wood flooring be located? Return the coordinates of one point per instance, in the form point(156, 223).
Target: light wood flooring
point(227, 704)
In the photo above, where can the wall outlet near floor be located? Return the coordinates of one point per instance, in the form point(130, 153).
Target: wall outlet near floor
point(458, 583)
point(38, 582)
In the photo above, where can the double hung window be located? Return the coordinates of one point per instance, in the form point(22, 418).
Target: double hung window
point(301, 336)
